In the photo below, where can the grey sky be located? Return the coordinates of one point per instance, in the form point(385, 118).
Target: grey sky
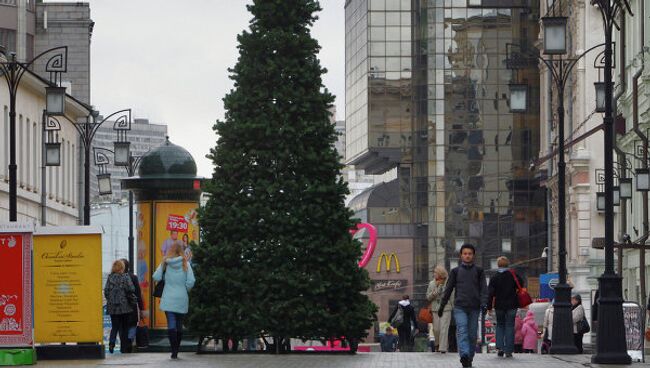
point(168, 61)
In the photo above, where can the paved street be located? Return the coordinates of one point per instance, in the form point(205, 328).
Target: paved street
point(379, 360)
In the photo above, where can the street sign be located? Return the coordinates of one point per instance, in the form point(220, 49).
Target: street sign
point(547, 282)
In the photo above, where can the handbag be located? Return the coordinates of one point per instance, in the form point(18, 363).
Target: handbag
point(425, 315)
point(523, 297)
point(141, 336)
point(160, 285)
point(647, 334)
point(583, 326)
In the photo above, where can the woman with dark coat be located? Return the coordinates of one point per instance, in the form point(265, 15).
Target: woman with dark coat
point(408, 325)
point(135, 316)
point(120, 301)
point(503, 291)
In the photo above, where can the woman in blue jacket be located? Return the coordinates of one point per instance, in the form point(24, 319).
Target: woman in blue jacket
point(179, 279)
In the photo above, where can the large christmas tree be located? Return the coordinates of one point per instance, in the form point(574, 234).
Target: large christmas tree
point(277, 258)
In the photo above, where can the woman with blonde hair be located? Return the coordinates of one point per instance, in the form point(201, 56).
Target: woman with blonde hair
point(502, 294)
point(120, 299)
point(439, 329)
point(177, 273)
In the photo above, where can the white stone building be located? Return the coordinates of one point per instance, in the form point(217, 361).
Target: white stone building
point(62, 200)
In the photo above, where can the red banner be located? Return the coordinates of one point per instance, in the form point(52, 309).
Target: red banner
point(177, 223)
point(15, 289)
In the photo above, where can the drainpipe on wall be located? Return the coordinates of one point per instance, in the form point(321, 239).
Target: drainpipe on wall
point(549, 170)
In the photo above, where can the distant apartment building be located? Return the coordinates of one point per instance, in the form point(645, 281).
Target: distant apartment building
point(28, 28)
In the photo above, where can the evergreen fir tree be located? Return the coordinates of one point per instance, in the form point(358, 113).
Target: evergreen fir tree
point(277, 258)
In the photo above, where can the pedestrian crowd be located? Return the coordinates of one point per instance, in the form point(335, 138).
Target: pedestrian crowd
point(174, 278)
point(458, 298)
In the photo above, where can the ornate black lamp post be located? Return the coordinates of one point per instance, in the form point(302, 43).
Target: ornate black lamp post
point(87, 131)
point(104, 181)
point(560, 69)
point(13, 71)
point(611, 347)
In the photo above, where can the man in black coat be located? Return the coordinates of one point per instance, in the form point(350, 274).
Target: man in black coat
point(404, 317)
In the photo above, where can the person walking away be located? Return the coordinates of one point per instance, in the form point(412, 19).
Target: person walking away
point(403, 317)
point(519, 337)
point(530, 333)
point(503, 291)
point(547, 326)
point(138, 307)
point(179, 279)
point(439, 329)
point(468, 281)
point(388, 342)
point(578, 313)
point(120, 301)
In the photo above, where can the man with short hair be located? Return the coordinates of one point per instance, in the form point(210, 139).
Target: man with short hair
point(468, 280)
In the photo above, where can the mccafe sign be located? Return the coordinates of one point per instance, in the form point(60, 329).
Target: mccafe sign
point(383, 285)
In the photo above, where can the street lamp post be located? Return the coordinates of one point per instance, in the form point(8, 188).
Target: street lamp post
point(104, 181)
point(560, 70)
point(611, 347)
point(87, 131)
point(13, 71)
point(51, 156)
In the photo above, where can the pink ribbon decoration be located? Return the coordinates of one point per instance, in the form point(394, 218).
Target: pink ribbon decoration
point(372, 244)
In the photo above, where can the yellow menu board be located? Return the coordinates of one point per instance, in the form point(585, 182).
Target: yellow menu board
point(68, 284)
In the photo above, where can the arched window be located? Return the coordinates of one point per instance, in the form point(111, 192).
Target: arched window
point(68, 177)
point(61, 172)
point(20, 159)
point(5, 141)
point(28, 153)
point(73, 164)
point(37, 158)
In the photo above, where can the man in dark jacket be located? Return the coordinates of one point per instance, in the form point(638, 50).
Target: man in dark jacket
point(502, 296)
point(406, 323)
point(471, 299)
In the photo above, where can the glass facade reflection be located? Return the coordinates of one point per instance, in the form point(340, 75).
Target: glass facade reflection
point(433, 101)
point(477, 165)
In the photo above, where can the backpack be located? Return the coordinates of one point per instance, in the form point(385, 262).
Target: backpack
point(398, 319)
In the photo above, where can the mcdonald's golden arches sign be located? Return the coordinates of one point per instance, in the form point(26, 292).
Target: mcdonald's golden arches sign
point(388, 261)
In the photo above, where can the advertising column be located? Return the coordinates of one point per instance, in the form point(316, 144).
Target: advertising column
point(175, 221)
point(143, 227)
point(16, 294)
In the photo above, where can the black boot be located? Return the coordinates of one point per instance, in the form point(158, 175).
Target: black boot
point(173, 338)
point(179, 339)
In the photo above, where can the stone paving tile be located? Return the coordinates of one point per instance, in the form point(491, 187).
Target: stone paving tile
point(363, 360)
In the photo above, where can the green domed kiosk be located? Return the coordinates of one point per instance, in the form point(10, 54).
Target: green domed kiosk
point(167, 193)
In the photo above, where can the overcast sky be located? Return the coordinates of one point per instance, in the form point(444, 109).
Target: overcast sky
point(168, 61)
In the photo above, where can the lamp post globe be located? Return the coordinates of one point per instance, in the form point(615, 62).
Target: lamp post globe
point(554, 35)
point(55, 100)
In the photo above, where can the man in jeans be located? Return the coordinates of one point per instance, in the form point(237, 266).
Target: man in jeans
point(468, 280)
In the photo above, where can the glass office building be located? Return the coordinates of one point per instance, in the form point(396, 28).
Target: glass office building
point(428, 94)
